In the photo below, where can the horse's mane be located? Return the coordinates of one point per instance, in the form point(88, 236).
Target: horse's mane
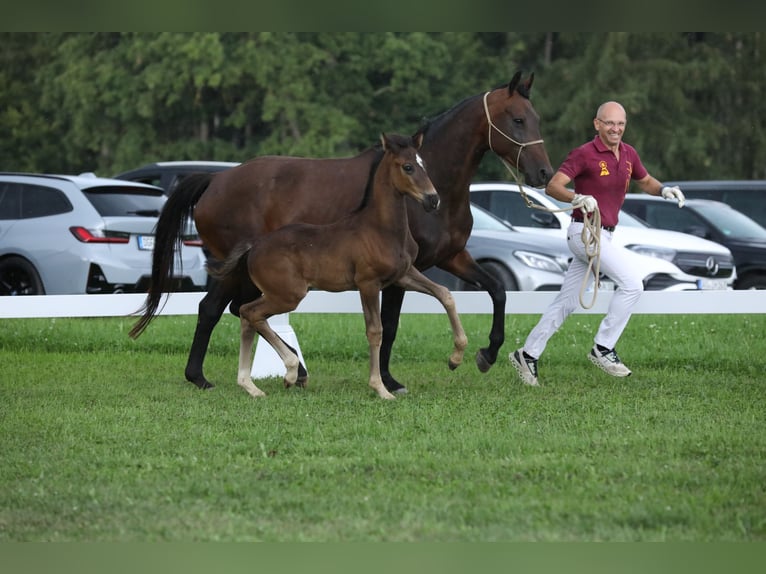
point(370, 177)
point(521, 88)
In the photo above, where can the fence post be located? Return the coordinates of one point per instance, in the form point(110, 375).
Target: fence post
point(266, 362)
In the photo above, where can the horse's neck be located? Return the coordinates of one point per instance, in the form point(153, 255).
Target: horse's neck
point(453, 156)
point(387, 206)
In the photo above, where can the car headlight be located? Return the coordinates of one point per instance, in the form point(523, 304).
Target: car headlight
point(665, 253)
point(542, 262)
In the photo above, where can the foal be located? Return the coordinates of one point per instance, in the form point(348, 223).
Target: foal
point(365, 251)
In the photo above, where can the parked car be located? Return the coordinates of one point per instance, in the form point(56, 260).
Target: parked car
point(168, 174)
point(62, 234)
point(522, 261)
point(712, 220)
point(695, 263)
point(747, 196)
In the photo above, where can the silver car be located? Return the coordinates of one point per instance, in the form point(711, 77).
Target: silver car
point(62, 234)
point(522, 261)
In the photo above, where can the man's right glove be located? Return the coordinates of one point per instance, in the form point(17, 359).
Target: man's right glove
point(587, 203)
point(674, 193)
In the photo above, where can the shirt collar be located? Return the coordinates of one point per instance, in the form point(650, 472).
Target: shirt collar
point(601, 146)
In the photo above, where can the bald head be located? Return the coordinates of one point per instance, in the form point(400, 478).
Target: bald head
point(610, 108)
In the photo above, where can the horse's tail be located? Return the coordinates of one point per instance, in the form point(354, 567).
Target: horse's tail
point(220, 269)
point(168, 237)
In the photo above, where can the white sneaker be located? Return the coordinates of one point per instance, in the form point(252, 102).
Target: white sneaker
point(527, 368)
point(609, 362)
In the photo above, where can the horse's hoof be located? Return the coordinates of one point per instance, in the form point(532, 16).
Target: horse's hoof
point(400, 391)
point(453, 365)
point(481, 361)
point(203, 385)
point(302, 381)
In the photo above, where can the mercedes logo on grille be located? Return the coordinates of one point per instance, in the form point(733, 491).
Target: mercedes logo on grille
point(712, 266)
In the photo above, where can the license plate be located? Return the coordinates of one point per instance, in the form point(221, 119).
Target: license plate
point(712, 284)
point(146, 242)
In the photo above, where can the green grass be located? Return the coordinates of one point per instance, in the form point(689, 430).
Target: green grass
point(103, 440)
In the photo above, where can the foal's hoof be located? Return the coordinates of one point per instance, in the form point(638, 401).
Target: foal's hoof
point(203, 385)
point(453, 365)
point(482, 362)
point(302, 381)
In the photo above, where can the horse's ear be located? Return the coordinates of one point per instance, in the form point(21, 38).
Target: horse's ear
point(529, 81)
point(514, 82)
point(384, 141)
point(417, 140)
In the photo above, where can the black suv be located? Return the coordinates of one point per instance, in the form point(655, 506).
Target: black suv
point(713, 220)
point(168, 174)
point(747, 196)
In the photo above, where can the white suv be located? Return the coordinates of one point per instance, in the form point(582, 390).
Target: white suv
point(62, 234)
point(673, 261)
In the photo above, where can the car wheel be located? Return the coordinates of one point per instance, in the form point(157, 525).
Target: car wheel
point(497, 270)
point(755, 281)
point(19, 277)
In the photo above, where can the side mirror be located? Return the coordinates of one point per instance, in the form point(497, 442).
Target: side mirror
point(545, 219)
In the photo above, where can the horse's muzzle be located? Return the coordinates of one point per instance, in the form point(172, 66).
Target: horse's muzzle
point(431, 202)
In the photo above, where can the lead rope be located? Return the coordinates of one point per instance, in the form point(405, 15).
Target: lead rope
point(591, 229)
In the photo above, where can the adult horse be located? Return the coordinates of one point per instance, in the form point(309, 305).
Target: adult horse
point(269, 192)
point(364, 251)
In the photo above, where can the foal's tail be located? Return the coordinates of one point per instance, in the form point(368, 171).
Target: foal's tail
point(238, 255)
point(173, 220)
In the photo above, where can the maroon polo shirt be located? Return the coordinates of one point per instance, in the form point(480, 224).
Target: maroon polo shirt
point(596, 171)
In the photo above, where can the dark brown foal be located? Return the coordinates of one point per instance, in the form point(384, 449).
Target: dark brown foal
point(365, 251)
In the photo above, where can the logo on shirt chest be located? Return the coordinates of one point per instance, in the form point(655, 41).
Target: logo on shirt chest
point(604, 169)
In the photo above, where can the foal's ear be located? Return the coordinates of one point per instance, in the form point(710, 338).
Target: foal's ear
point(384, 141)
point(417, 140)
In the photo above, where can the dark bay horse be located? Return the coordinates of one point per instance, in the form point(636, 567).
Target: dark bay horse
point(268, 192)
point(365, 251)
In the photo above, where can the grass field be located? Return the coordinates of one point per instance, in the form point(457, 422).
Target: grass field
point(103, 440)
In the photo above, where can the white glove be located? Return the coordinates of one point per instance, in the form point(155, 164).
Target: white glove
point(587, 203)
point(674, 193)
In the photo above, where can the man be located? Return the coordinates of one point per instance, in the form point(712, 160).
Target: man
point(601, 171)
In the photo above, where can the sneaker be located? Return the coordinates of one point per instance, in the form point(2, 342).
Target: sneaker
point(609, 362)
point(526, 367)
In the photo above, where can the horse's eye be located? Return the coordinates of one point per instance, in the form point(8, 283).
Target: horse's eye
point(518, 121)
point(407, 167)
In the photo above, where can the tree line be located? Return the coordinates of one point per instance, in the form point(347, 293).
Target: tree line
point(108, 102)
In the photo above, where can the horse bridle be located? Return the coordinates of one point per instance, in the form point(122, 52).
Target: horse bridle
point(506, 136)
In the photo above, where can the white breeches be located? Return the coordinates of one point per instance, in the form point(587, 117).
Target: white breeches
point(617, 264)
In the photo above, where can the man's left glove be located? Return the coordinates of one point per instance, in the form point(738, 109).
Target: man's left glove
point(674, 193)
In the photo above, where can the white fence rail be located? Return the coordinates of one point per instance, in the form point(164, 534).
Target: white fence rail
point(267, 363)
point(518, 303)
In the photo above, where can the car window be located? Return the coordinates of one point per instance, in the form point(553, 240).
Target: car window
point(732, 223)
point(24, 201)
point(748, 201)
point(509, 206)
point(113, 201)
point(658, 215)
point(485, 221)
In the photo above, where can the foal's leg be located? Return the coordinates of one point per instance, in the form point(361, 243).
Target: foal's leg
point(371, 308)
point(257, 313)
point(247, 335)
point(414, 280)
point(288, 355)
